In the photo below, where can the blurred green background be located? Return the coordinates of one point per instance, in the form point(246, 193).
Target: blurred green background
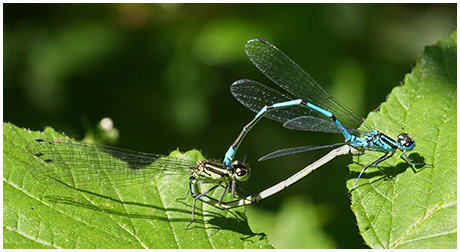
point(162, 73)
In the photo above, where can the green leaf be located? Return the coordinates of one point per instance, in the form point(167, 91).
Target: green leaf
point(37, 215)
point(414, 207)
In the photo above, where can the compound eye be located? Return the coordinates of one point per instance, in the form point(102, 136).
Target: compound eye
point(406, 141)
point(241, 171)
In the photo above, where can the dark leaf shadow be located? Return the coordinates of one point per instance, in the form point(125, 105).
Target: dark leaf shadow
point(391, 171)
point(218, 220)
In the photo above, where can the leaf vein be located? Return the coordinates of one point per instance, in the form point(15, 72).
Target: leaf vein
point(31, 238)
point(424, 218)
point(167, 214)
point(430, 236)
point(61, 212)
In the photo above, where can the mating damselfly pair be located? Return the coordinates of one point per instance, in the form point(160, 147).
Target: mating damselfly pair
point(304, 106)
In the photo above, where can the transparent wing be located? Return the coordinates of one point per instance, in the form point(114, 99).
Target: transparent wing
point(282, 70)
point(83, 165)
point(255, 96)
point(309, 123)
point(296, 150)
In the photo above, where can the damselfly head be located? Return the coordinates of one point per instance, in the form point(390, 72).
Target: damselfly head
point(406, 142)
point(241, 171)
